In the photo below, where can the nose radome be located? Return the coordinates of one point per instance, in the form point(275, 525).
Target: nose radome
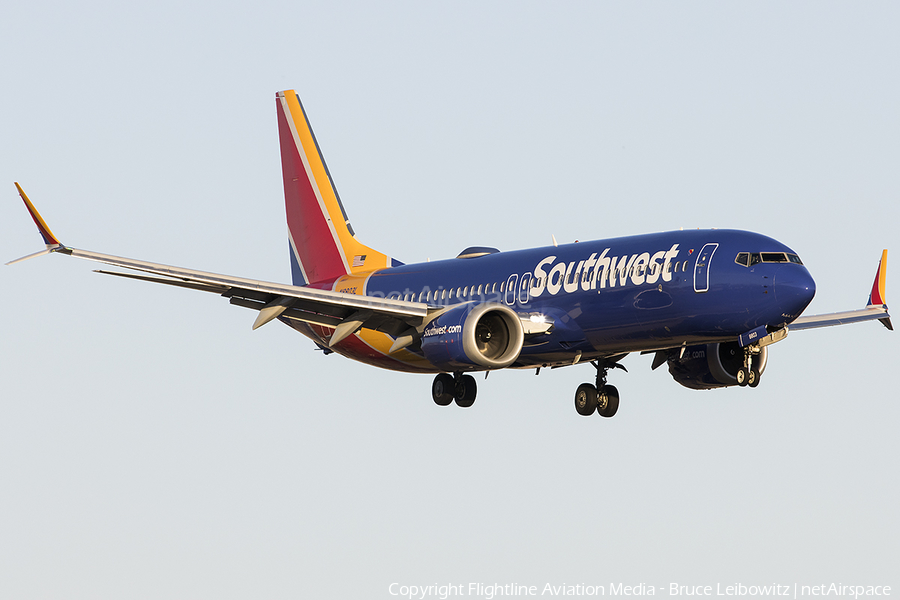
point(794, 288)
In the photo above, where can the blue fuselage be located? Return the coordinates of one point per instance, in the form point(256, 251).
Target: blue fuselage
point(620, 295)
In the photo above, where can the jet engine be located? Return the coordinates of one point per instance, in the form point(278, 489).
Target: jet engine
point(712, 365)
point(484, 335)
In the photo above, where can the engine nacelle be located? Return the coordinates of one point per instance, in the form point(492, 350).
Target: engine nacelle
point(712, 365)
point(484, 335)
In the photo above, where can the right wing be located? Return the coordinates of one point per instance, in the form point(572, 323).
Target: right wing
point(346, 313)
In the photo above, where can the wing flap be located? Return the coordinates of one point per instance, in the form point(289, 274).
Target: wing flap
point(178, 283)
point(236, 286)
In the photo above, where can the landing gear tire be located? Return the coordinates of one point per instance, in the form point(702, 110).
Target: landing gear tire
point(743, 377)
point(601, 397)
point(608, 401)
point(753, 380)
point(586, 399)
point(465, 390)
point(442, 389)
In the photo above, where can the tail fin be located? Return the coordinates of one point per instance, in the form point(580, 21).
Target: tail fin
point(322, 242)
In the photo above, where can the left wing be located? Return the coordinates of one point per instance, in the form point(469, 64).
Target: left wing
point(876, 307)
point(346, 313)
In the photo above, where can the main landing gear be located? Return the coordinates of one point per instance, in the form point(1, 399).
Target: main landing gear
point(748, 374)
point(447, 388)
point(602, 397)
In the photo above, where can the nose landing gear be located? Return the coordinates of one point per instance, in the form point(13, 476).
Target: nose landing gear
point(602, 397)
point(748, 374)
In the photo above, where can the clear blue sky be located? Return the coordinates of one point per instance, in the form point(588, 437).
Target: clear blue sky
point(152, 445)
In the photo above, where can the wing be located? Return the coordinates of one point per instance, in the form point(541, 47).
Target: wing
point(346, 313)
point(876, 307)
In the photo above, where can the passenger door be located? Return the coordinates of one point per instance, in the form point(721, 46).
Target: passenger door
point(701, 268)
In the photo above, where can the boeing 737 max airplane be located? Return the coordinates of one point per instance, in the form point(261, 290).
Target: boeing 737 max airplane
point(705, 302)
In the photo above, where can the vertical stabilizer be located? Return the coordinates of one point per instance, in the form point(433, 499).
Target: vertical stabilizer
point(322, 243)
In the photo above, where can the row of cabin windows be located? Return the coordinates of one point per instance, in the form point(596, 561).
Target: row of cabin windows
point(748, 259)
point(449, 294)
point(493, 288)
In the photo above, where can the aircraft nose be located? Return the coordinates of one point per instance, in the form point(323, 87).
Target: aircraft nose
point(794, 289)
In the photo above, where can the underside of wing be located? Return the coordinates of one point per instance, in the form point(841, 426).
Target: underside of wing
point(347, 313)
point(869, 313)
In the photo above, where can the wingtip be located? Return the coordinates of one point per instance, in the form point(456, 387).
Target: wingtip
point(49, 239)
point(878, 297)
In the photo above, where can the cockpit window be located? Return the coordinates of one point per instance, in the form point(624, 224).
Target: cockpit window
point(748, 259)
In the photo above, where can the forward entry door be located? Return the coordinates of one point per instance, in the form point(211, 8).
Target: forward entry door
point(701, 268)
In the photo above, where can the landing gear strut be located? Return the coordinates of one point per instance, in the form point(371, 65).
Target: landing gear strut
point(447, 388)
point(601, 397)
point(748, 374)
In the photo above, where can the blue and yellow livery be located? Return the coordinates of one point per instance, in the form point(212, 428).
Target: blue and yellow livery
point(706, 303)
